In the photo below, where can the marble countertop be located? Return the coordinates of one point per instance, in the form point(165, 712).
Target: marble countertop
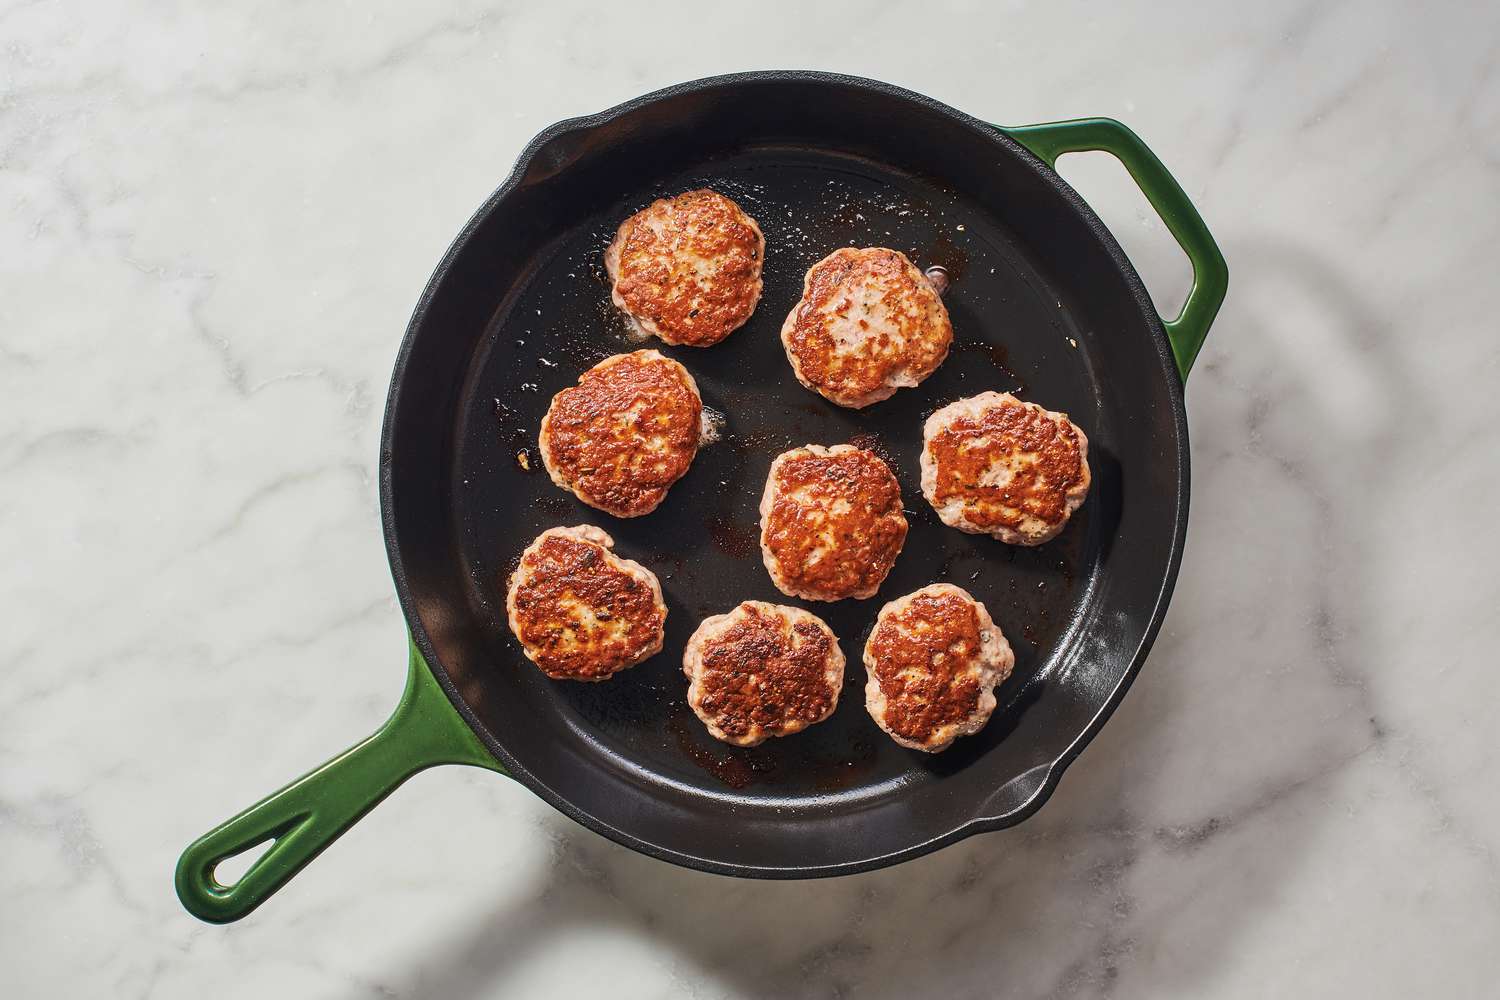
point(214, 222)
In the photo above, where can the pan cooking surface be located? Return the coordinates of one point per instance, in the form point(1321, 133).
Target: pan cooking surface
point(1013, 332)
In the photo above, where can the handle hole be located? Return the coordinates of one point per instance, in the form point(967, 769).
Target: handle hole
point(1108, 188)
point(230, 870)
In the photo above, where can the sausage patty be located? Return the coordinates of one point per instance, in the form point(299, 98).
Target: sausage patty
point(831, 523)
point(868, 323)
point(625, 433)
point(687, 269)
point(579, 611)
point(762, 670)
point(992, 464)
point(933, 662)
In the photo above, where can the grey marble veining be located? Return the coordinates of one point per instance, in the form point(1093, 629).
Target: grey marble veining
point(214, 221)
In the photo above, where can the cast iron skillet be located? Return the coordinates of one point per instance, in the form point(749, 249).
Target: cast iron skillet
point(1045, 305)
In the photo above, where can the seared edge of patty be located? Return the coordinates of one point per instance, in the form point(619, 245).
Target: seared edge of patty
point(762, 670)
point(579, 611)
point(596, 439)
point(867, 536)
point(932, 663)
point(696, 288)
point(960, 445)
point(869, 369)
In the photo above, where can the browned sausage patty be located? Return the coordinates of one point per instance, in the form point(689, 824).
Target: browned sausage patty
point(831, 523)
point(868, 323)
point(687, 269)
point(992, 464)
point(579, 611)
point(625, 433)
point(932, 664)
point(762, 670)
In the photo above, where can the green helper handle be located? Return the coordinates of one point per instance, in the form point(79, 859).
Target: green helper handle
point(312, 812)
point(1210, 274)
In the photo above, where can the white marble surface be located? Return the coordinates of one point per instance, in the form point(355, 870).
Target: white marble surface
point(214, 221)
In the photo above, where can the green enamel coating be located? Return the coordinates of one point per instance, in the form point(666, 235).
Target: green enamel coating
point(1210, 273)
point(315, 810)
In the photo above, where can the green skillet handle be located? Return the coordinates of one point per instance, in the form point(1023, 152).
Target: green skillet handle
point(313, 811)
point(1210, 274)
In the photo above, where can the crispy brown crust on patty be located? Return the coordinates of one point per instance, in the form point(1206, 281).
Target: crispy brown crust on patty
point(578, 611)
point(853, 356)
point(625, 433)
point(812, 547)
point(923, 656)
point(687, 269)
point(765, 671)
point(1048, 459)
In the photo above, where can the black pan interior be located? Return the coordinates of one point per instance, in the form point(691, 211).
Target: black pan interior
point(1042, 306)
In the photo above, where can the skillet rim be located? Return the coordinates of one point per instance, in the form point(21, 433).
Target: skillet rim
point(1049, 780)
